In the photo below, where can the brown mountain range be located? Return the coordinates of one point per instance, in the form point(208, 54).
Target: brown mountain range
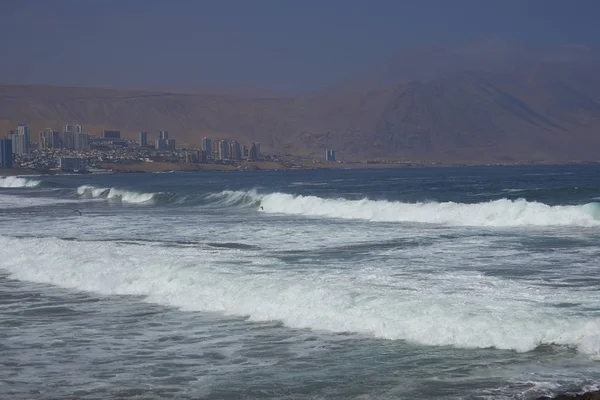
point(484, 101)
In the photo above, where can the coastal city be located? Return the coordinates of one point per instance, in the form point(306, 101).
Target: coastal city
point(74, 150)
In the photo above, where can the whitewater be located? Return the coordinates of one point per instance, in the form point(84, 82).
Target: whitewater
point(410, 283)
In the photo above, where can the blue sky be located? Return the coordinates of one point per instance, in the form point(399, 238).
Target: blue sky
point(283, 45)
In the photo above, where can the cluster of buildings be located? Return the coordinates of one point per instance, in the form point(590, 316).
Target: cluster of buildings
point(71, 138)
point(73, 149)
point(69, 150)
point(225, 150)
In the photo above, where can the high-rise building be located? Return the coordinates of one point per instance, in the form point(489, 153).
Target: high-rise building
point(253, 152)
point(207, 146)
point(68, 128)
point(77, 129)
point(143, 139)
point(235, 151)
point(53, 138)
point(20, 140)
point(163, 142)
point(6, 154)
point(223, 150)
point(82, 141)
point(14, 138)
point(330, 155)
point(160, 144)
point(202, 156)
point(68, 141)
point(190, 157)
point(43, 140)
point(23, 130)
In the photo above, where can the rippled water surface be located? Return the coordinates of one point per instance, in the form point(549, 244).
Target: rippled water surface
point(409, 283)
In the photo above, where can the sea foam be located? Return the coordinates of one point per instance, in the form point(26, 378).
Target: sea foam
point(18, 182)
point(125, 196)
point(501, 213)
point(458, 308)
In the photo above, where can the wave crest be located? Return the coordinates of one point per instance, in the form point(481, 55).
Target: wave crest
point(501, 213)
point(124, 196)
point(17, 182)
point(232, 198)
point(451, 309)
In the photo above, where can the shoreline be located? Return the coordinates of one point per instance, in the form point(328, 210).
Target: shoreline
point(271, 166)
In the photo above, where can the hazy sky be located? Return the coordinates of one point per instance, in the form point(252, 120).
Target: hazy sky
point(282, 45)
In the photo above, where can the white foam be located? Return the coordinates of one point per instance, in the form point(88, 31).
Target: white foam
point(125, 196)
point(456, 308)
point(10, 201)
point(231, 197)
point(499, 213)
point(17, 182)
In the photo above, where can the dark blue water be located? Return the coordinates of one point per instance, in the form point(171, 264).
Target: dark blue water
point(476, 282)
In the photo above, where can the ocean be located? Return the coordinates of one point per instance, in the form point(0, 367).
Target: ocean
point(409, 283)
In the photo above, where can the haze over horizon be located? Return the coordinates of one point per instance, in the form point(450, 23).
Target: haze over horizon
point(282, 47)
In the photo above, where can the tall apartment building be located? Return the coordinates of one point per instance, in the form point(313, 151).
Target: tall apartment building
point(143, 140)
point(207, 146)
point(74, 138)
point(330, 155)
point(82, 141)
point(235, 151)
point(53, 139)
point(43, 140)
point(6, 154)
point(163, 142)
point(160, 144)
point(20, 140)
point(202, 156)
point(68, 140)
point(50, 139)
point(253, 152)
point(223, 150)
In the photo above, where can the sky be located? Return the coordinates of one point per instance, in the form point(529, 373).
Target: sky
point(285, 46)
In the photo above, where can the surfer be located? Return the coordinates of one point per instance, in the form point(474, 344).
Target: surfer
point(77, 211)
point(261, 207)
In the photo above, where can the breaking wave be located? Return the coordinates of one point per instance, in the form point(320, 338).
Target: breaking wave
point(114, 194)
point(231, 198)
point(499, 213)
point(449, 309)
point(17, 182)
point(494, 213)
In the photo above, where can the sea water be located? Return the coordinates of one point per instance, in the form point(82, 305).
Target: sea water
point(417, 283)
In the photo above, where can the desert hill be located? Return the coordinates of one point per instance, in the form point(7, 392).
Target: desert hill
point(483, 101)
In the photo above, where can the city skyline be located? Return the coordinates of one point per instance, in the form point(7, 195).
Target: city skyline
point(73, 149)
point(73, 137)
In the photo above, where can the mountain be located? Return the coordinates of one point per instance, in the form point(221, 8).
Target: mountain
point(482, 101)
